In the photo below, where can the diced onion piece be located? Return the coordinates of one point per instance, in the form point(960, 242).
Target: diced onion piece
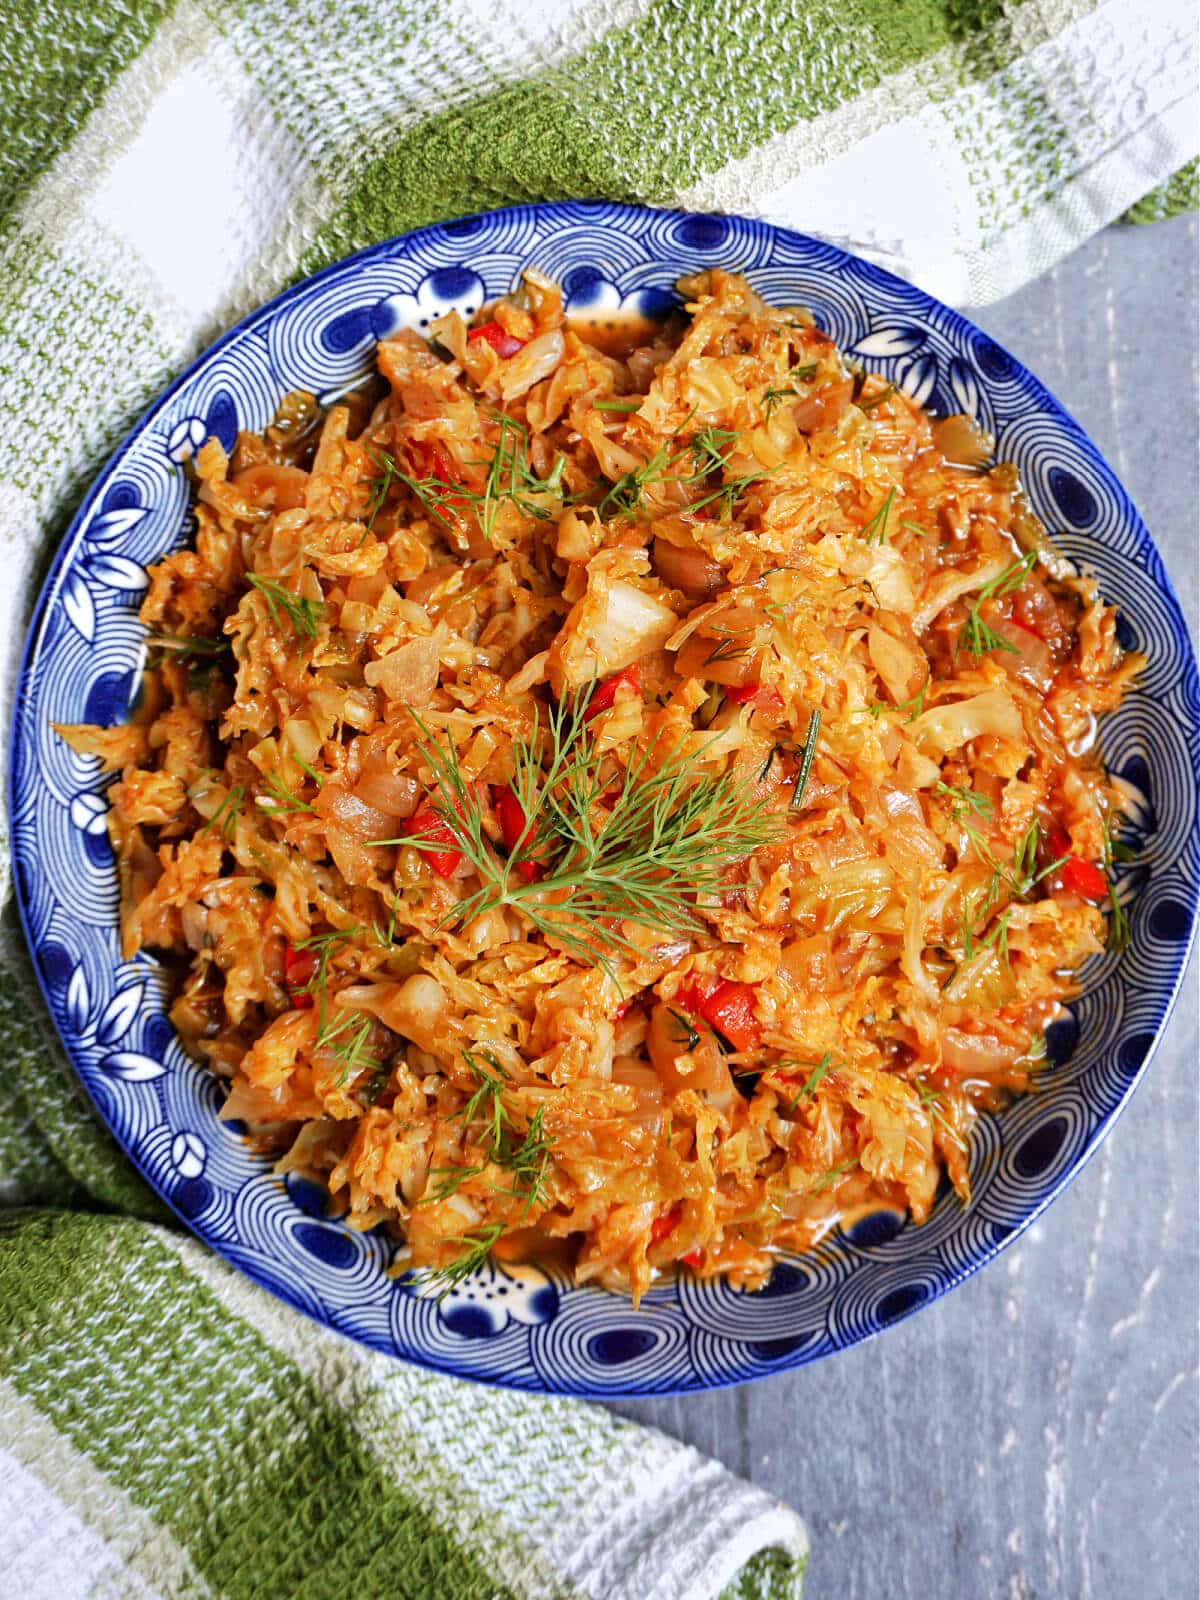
point(611, 627)
point(410, 673)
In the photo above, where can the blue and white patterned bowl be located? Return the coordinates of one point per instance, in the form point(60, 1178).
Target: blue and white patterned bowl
point(524, 1327)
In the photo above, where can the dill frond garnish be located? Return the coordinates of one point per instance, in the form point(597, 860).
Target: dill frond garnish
point(876, 531)
point(186, 644)
point(774, 397)
point(965, 800)
point(809, 1088)
point(640, 843)
point(617, 405)
point(831, 1177)
point(303, 615)
point(1020, 879)
point(914, 527)
point(281, 800)
point(478, 1247)
point(1119, 932)
point(379, 489)
point(876, 399)
point(348, 1039)
point(975, 636)
point(224, 818)
point(326, 946)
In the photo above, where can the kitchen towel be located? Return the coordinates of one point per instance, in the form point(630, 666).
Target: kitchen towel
point(166, 1428)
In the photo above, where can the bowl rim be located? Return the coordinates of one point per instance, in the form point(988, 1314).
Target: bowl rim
point(66, 550)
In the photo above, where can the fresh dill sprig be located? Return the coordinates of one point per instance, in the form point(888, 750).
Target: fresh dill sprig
point(965, 800)
point(224, 818)
point(931, 1101)
point(450, 1180)
point(832, 1176)
point(914, 705)
point(876, 399)
point(282, 799)
point(386, 936)
point(914, 527)
point(617, 405)
point(326, 946)
point(1119, 932)
point(379, 489)
point(809, 1088)
point(806, 758)
point(304, 615)
point(798, 374)
point(1020, 879)
point(876, 531)
point(510, 477)
point(640, 843)
point(975, 636)
point(187, 644)
point(478, 1247)
point(348, 1039)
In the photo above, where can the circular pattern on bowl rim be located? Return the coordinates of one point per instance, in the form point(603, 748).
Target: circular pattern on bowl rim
point(525, 1327)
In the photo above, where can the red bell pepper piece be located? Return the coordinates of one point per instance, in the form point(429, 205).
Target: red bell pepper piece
point(503, 343)
point(693, 1259)
point(514, 826)
point(426, 824)
point(765, 697)
point(431, 459)
point(1083, 878)
point(298, 969)
point(606, 692)
point(664, 1225)
point(729, 1008)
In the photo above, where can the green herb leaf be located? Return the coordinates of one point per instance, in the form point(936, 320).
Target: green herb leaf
point(303, 615)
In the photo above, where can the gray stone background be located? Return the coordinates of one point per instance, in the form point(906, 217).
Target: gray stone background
point(1034, 1434)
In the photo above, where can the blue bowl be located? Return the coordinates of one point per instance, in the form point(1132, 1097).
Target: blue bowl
point(526, 1327)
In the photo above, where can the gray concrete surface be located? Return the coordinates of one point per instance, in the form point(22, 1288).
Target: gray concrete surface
point(1034, 1435)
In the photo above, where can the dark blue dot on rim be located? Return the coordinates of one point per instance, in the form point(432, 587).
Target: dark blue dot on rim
point(656, 303)
point(898, 1303)
point(193, 1196)
point(109, 698)
point(1038, 1150)
point(1062, 1036)
point(1170, 921)
point(583, 285)
point(306, 1195)
point(120, 497)
point(778, 1349)
point(159, 1036)
point(327, 1244)
point(57, 964)
point(880, 1227)
point(1000, 1231)
point(616, 1346)
point(1137, 771)
point(98, 849)
point(1073, 498)
point(451, 283)
point(347, 332)
point(381, 320)
point(702, 233)
point(1127, 636)
point(463, 228)
point(469, 1322)
point(222, 419)
point(992, 361)
point(543, 1303)
point(783, 1281)
point(1132, 1052)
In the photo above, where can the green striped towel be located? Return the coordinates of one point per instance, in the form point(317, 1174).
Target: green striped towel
point(165, 165)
